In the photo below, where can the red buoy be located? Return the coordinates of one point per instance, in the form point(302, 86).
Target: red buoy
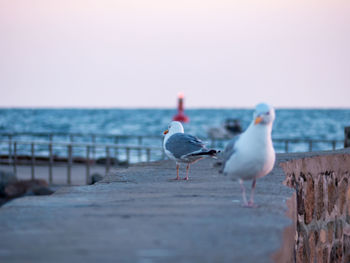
point(180, 116)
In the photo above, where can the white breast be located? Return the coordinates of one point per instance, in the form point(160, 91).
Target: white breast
point(254, 156)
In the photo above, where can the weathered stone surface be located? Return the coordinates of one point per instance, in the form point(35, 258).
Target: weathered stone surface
point(309, 199)
point(330, 232)
point(323, 236)
point(322, 182)
point(320, 212)
point(300, 197)
point(342, 194)
point(346, 248)
point(325, 255)
point(348, 206)
point(336, 255)
point(312, 246)
point(332, 195)
point(139, 215)
point(338, 229)
point(301, 254)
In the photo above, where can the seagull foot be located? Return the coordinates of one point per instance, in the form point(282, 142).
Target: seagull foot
point(250, 205)
point(175, 179)
point(186, 178)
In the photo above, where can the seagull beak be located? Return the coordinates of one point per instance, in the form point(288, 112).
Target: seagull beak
point(258, 120)
point(165, 132)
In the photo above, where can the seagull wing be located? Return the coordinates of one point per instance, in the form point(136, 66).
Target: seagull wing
point(182, 144)
point(229, 150)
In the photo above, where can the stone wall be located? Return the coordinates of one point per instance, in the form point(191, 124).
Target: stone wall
point(322, 219)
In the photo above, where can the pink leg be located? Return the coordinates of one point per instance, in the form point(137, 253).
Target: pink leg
point(187, 168)
point(251, 200)
point(177, 172)
point(245, 203)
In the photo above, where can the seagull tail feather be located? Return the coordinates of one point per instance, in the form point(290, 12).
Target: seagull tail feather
point(211, 153)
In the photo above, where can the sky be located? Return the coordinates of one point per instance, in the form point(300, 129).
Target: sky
point(138, 53)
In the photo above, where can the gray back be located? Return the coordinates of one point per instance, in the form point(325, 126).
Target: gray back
point(181, 144)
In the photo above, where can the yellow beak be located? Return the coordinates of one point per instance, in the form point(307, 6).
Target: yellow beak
point(258, 120)
point(165, 132)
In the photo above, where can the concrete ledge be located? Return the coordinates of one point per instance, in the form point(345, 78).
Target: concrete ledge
point(138, 215)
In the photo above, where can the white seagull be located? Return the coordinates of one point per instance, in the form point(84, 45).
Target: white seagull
point(183, 148)
point(251, 155)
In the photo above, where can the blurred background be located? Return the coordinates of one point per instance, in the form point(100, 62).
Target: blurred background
point(76, 73)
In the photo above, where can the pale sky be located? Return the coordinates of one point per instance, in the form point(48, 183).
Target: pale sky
point(142, 53)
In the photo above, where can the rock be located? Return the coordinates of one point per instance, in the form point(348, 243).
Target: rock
point(5, 179)
point(23, 187)
point(112, 161)
point(94, 178)
point(42, 190)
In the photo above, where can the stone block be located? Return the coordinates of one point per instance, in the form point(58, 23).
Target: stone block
point(325, 255)
point(342, 195)
point(330, 232)
point(338, 229)
point(319, 255)
point(332, 195)
point(346, 248)
point(323, 236)
point(336, 255)
point(348, 206)
point(320, 213)
point(312, 246)
point(309, 200)
point(300, 199)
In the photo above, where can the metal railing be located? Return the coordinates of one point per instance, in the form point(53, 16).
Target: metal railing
point(152, 140)
point(283, 145)
point(20, 148)
point(108, 158)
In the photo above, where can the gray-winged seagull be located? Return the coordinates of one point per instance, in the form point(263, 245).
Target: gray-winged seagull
point(183, 148)
point(251, 155)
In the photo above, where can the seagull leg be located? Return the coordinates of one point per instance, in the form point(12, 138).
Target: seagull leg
point(245, 203)
point(187, 168)
point(251, 200)
point(177, 172)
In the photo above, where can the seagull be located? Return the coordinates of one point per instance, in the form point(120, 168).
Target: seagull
point(183, 147)
point(251, 155)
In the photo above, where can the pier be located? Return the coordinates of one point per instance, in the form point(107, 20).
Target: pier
point(139, 215)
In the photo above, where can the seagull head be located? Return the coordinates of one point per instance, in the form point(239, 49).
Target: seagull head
point(174, 127)
point(264, 114)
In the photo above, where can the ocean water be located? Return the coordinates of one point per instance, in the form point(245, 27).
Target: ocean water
point(289, 124)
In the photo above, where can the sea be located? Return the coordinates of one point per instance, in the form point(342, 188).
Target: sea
point(316, 124)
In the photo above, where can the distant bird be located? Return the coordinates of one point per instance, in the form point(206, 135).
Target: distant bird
point(251, 155)
point(183, 148)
